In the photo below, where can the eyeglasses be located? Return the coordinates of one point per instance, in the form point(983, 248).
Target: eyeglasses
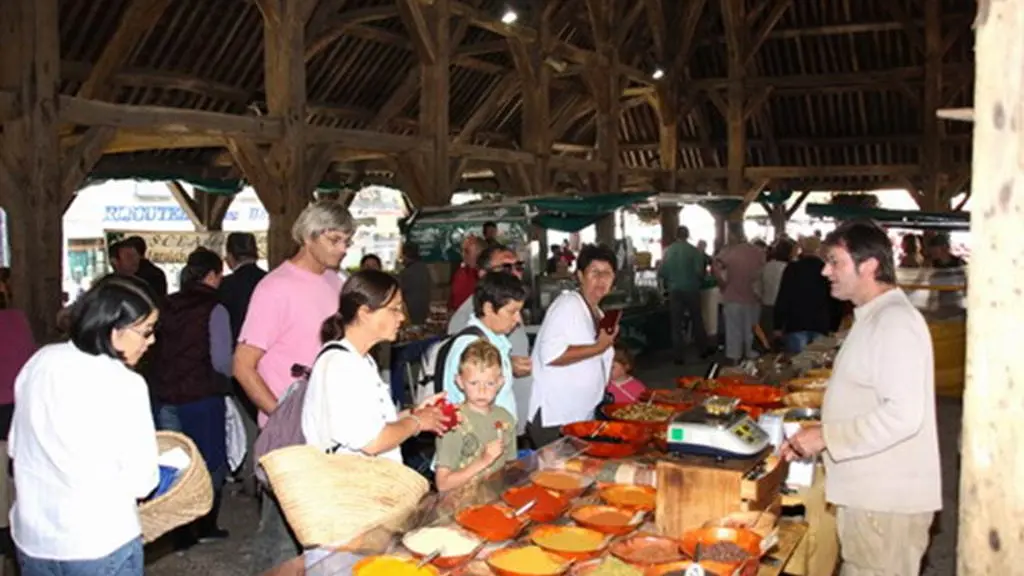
point(338, 240)
point(146, 334)
point(509, 267)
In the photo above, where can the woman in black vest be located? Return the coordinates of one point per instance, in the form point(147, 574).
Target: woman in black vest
point(194, 356)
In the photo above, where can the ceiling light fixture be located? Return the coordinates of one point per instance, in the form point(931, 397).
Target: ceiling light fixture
point(658, 74)
point(509, 16)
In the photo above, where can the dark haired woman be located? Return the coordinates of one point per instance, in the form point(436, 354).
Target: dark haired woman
point(348, 407)
point(572, 357)
point(194, 356)
point(82, 439)
point(370, 262)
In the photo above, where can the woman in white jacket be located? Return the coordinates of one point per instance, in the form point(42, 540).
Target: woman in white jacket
point(83, 442)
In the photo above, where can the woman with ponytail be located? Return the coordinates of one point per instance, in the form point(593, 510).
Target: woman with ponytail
point(348, 407)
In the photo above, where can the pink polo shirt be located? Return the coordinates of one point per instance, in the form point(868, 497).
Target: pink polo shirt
point(285, 314)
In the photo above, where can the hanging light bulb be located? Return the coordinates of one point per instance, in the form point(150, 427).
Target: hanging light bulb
point(658, 74)
point(509, 16)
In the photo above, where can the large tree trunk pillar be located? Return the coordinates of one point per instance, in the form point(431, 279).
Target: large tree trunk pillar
point(31, 193)
point(991, 494)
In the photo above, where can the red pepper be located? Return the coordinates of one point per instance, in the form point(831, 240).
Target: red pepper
point(450, 412)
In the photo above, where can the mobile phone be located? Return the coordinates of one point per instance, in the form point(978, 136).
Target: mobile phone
point(609, 320)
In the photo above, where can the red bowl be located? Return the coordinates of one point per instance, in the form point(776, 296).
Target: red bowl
point(610, 410)
point(753, 394)
point(748, 540)
point(632, 437)
point(689, 381)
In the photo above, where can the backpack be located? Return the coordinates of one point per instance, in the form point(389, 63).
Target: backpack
point(434, 359)
point(284, 425)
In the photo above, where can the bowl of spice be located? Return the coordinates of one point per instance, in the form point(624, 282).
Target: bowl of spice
point(678, 568)
point(646, 550)
point(606, 519)
point(454, 544)
point(492, 522)
point(609, 439)
point(571, 484)
point(570, 542)
point(723, 550)
point(548, 504)
point(527, 561)
point(629, 496)
point(607, 566)
point(391, 566)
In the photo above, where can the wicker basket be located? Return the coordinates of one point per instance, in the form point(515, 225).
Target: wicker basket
point(804, 399)
point(190, 498)
point(330, 499)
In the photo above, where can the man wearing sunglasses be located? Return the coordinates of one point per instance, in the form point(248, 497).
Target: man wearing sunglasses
point(500, 258)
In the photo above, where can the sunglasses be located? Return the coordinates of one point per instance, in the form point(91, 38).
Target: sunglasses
point(509, 267)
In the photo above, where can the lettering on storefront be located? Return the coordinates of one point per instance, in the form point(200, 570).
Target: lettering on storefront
point(174, 247)
point(169, 213)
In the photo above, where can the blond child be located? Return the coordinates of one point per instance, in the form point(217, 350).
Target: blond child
point(623, 387)
point(485, 439)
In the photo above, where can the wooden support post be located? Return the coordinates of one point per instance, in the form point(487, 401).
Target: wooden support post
point(429, 27)
point(991, 494)
point(535, 76)
point(734, 15)
point(669, 216)
point(30, 152)
point(283, 178)
point(606, 84)
point(931, 145)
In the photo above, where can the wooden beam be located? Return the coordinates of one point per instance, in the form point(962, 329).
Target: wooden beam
point(777, 12)
point(796, 205)
point(136, 21)
point(187, 204)
point(398, 100)
point(10, 108)
point(79, 161)
point(488, 105)
point(160, 79)
point(886, 79)
point(734, 17)
point(435, 85)
point(323, 30)
point(899, 13)
point(84, 112)
point(416, 24)
point(931, 146)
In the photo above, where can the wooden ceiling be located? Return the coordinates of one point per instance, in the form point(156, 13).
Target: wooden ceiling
point(833, 93)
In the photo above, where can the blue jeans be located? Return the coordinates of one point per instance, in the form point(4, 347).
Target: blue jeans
point(125, 561)
point(797, 341)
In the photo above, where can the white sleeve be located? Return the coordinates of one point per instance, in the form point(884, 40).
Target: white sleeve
point(564, 325)
point(139, 452)
point(353, 417)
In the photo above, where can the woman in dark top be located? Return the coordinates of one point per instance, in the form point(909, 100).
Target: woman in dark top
point(804, 308)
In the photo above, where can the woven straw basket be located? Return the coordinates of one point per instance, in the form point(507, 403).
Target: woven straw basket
point(191, 496)
point(330, 499)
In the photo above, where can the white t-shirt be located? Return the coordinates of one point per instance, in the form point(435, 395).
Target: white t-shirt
point(84, 448)
point(347, 403)
point(566, 394)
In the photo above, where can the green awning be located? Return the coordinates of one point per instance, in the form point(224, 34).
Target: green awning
point(565, 222)
point(596, 205)
point(898, 218)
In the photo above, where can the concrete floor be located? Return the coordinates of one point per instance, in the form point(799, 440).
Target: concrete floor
point(236, 555)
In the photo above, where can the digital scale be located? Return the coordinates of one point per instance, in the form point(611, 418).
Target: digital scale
point(715, 428)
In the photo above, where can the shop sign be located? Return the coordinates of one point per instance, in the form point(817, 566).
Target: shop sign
point(442, 241)
point(172, 213)
point(174, 247)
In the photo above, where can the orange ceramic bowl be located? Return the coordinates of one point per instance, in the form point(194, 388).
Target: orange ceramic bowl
point(592, 542)
point(490, 523)
point(691, 381)
point(571, 484)
point(606, 519)
point(444, 562)
point(629, 437)
point(630, 497)
point(677, 567)
point(363, 564)
point(646, 550)
point(494, 562)
point(754, 394)
point(549, 508)
point(749, 541)
point(613, 412)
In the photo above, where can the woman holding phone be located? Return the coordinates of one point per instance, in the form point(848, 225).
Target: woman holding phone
point(572, 357)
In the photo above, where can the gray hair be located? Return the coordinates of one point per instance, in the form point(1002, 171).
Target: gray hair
point(322, 216)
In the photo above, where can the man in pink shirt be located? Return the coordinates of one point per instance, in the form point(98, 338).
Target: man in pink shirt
point(282, 325)
point(738, 269)
point(282, 328)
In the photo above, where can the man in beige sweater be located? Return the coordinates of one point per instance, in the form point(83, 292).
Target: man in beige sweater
point(878, 433)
